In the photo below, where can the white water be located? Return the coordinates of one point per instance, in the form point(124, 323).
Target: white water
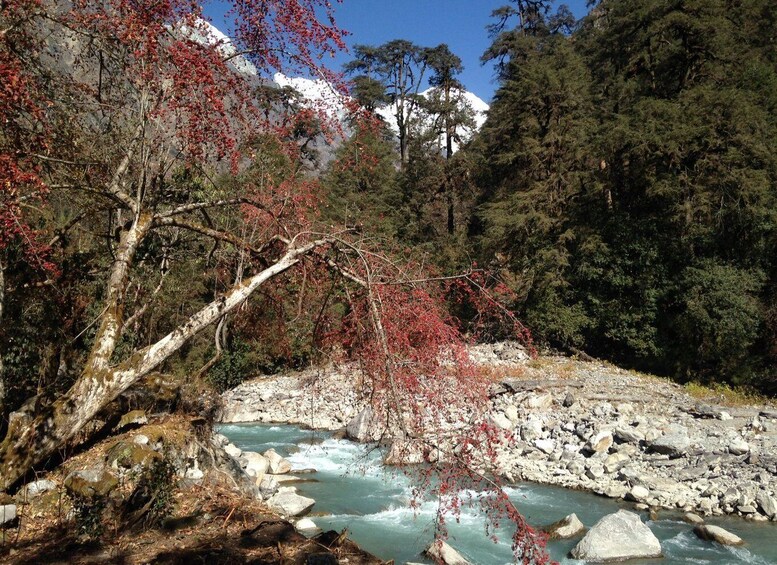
point(356, 492)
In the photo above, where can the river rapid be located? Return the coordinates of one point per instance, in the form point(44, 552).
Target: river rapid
point(354, 490)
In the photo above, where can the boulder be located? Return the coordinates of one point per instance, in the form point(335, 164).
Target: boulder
point(600, 442)
point(256, 462)
point(675, 442)
point(277, 465)
point(738, 446)
point(569, 400)
point(90, 483)
point(7, 513)
point(134, 418)
point(566, 528)
point(767, 504)
point(618, 537)
point(233, 450)
point(307, 526)
point(268, 486)
point(615, 462)
point(692, 518)
point(359, 428)
point(545, 445)
point(127, 454)
point(441, 552)
point(39, 487)
point(531, 430)
point(287, 502)
point(512, 413)
point(501, 421)
point(717, 534)
point(638, 494)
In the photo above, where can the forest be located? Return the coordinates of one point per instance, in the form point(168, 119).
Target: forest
point(166, 217)
point(623, 186)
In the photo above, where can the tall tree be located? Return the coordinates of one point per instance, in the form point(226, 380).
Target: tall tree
point(400, 66)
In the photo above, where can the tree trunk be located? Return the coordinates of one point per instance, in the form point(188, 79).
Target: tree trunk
point(32, 438)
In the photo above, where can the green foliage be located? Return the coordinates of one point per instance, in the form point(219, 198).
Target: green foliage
point(88, 513)
point(628, 182)
point(233, 367)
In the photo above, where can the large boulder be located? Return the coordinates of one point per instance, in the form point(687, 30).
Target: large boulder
point(359, 428)
point(256, 463)
point(90, 483)
point(441, 552)
point(39, 487)
point(716, 533)
point(618, 537)
point(277, 465)
point(287, 502)
point(674, 443)
point(767, 503)
point(565, 528)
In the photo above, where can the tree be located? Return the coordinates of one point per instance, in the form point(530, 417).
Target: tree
point(400, 66)
point(535, 163)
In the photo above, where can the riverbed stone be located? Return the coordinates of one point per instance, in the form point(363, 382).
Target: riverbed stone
point(256, 463)
point(277, 465)
point(615, 462)
point(618, 537)
point(716, 533)
point(638, 493)
point(692, 518)
point(444, 553)
point(545, 445)
point(767, 503)
point(287, 502)
point(233, 450)
point(675, 442)
point(566, 528)
point(738, 446)
point(358, 429)
point(600, 442)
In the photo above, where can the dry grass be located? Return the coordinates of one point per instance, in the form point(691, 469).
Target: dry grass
point(497, 374)
point(725, 394)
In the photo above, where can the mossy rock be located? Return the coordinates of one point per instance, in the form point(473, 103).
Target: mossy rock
point(90, 483)
point(133, 418)
point(128, 454)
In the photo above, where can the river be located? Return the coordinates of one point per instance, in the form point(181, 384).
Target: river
point(354, 490)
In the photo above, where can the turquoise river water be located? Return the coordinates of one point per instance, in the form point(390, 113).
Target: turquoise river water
point(353, 490)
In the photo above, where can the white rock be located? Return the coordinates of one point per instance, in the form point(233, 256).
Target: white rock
point(257, 463)
point(501, 421)
point(38, 487)
point(444, 553)
point(306, 525)
point(618, 537)
point(287, 502)
point(7, 513)
point(600, 442)
point(767, 503)
point(141, 439)
point(268, 486)
point(718, 534)
point(277, 464)
point(565, 528)
point(512, 413)
point(194, 474)
point(539, 401)
point(638, 493)
point(738, 446)
point(545, 445)
point(233, 450)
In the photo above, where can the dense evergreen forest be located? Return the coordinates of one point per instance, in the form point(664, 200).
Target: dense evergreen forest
point(624, 185)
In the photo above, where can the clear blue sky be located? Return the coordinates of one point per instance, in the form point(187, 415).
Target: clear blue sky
point(459, 23)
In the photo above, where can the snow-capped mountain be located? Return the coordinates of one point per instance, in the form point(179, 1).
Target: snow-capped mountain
point(318, 93)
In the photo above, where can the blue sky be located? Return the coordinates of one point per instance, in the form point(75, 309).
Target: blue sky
point(459, 23)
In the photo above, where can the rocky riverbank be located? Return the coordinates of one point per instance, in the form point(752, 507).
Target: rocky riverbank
point(580, 425)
